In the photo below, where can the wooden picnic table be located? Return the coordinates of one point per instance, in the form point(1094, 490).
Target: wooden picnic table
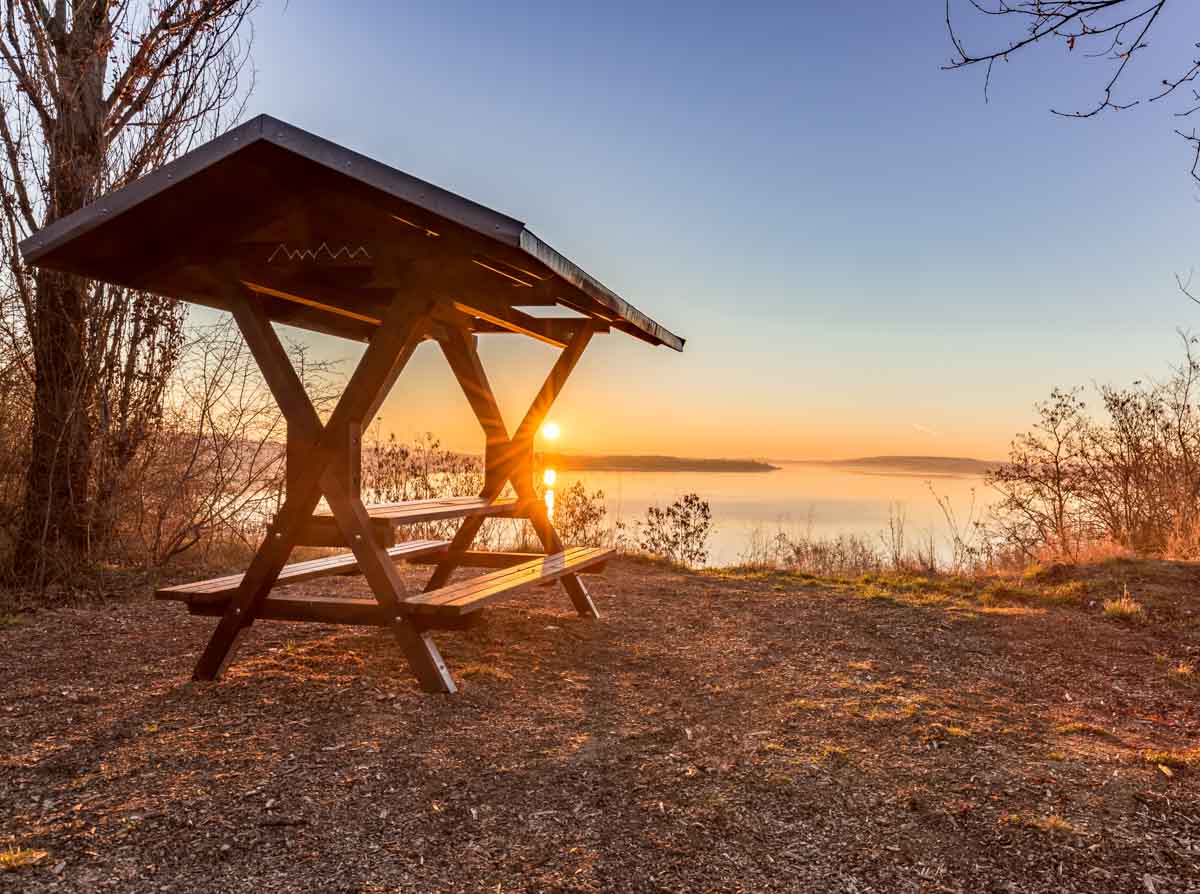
point(276, 225)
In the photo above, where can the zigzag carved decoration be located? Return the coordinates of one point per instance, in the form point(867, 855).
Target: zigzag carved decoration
point(313, 254)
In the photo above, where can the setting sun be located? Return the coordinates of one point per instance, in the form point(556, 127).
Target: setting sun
point(551, 431)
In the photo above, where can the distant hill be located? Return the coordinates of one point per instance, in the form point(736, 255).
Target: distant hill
point(943, 465)
point(578, 462)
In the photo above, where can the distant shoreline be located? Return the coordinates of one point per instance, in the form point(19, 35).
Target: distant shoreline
point(882, 465)
point(946, 465)
point(579, 462)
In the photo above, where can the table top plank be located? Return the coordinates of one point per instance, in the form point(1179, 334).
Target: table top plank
point(410, 511)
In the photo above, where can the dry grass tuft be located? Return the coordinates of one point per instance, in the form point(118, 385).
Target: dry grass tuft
point(832, 755)
point(474, 670)
point(903, 711)
point(1124, 608)
point(1037, 590)
point(1178, 758)
point(1052, 824)
point(20, 857)
point(1081, 728)
point(1183, 671)
point(804, 704)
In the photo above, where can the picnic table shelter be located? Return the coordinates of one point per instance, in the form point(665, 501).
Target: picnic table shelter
point(276, 225)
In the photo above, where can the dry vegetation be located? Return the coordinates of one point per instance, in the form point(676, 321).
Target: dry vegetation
point(93, 97)
point(738, 730)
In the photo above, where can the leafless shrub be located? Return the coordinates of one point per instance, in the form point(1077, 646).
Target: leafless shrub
point(972, 550)
point(893, 537)
point(394, 471)
point(845, 555)
point(1130, 478)
point(679, 532)
point(16, 393)
point(581, 517)
point(212, 471)
point(397, 471)
point(967, 547)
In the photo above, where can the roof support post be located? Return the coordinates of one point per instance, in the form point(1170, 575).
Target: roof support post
point(326, 468)
point(510, 460)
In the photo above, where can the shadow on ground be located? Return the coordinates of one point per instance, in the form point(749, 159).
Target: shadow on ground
point(714, 732)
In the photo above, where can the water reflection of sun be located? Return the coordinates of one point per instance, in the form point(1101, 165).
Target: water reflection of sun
point(549, 476)
point(550, 431)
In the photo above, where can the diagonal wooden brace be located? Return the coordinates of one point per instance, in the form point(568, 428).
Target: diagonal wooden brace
point(510, 460)
point(322, 471)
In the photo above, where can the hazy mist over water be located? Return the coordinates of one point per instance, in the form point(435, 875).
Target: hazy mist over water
point(800, 498)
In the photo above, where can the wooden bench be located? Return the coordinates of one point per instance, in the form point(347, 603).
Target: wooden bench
point(471, 595)
point(219, 590)
point(210, 597)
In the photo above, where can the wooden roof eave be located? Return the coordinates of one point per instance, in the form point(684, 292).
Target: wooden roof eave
point(509, 236)
point(635, 322)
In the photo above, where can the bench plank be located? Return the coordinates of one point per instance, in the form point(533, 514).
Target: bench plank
point(472, 594)
point(221, 589)
point(302, 607)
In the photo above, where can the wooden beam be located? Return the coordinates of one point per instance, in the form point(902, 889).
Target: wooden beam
point(511, 459)
point(324, 531)
point(401, 328)
point(510, 320)
point(311, 302)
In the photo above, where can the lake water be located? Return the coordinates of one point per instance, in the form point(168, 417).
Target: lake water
point(815, 499)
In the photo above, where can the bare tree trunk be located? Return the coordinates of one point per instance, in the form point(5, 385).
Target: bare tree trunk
point(97, 359)
point(60, 451)
point(56, 484)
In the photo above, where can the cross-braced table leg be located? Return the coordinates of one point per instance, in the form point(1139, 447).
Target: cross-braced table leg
point(510, 459)
point(324, 470)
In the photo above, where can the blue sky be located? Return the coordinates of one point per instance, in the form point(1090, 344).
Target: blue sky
point(864, 256)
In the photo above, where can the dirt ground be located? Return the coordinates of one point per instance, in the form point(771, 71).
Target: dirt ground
point(713, 732)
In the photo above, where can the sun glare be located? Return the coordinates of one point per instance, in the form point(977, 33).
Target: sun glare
point(551, 431)
point(549, 477)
